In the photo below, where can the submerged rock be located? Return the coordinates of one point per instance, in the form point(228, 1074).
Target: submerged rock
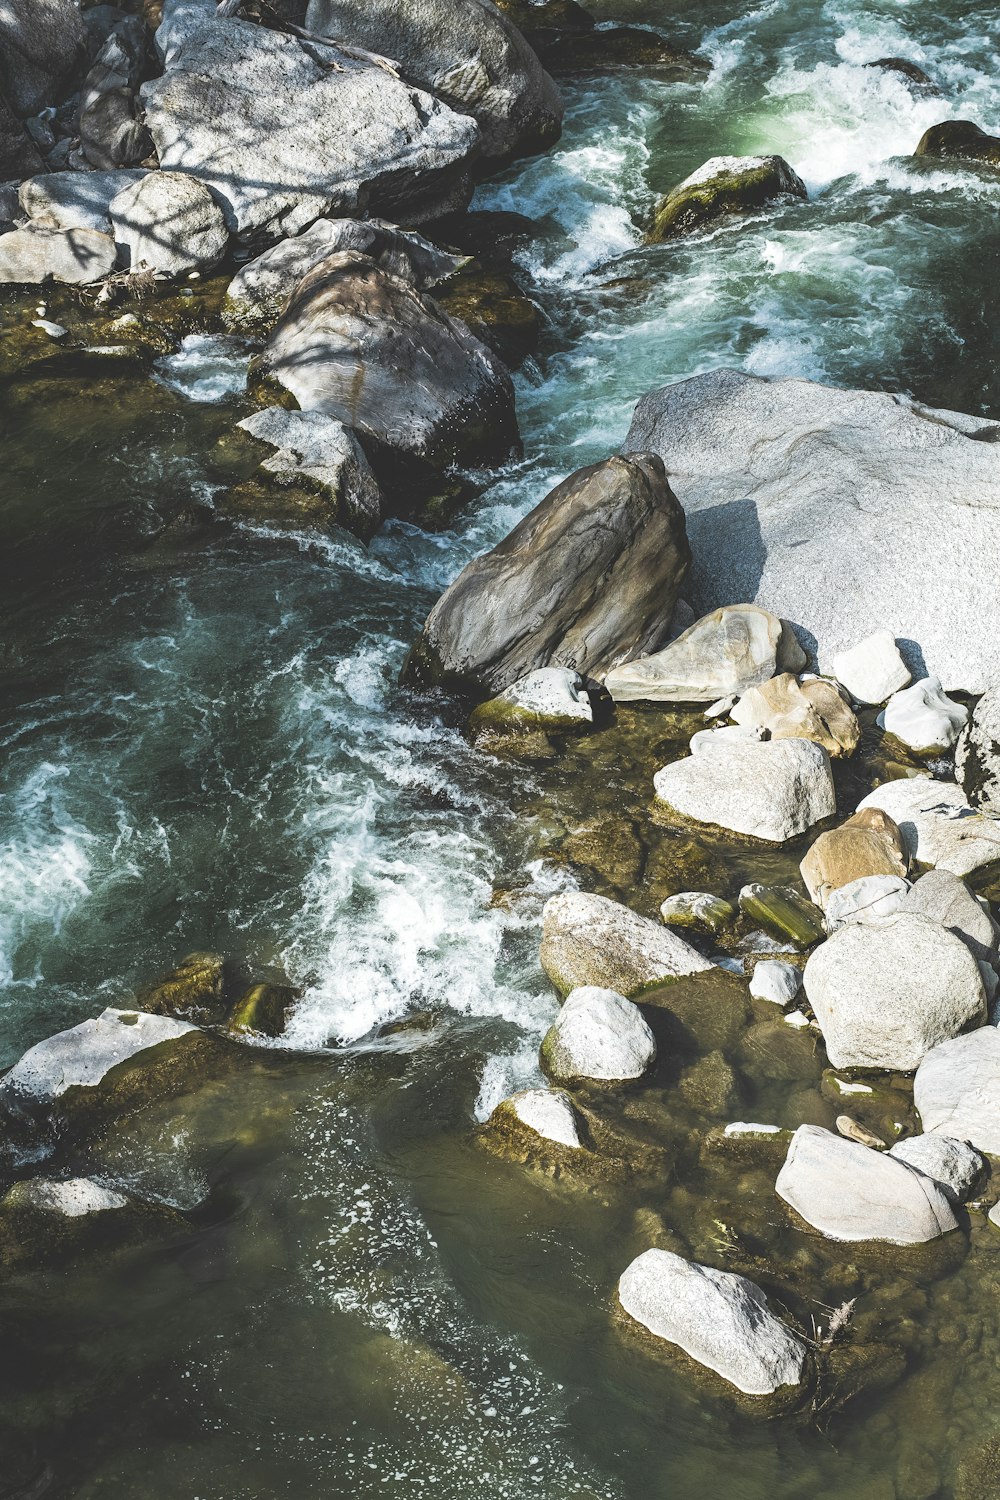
point(960, 140)
point(953, 1165)
point(493, 305)
point(725, 186)
point(956, 1089)
point(169, 223)
point(728, 651)
point(977, 754)
point(925, 983)
point(784, 482)
point(918, 80)
point(866, 844)
point(698, 909)
point(194, 991)
point(587, 578)
point(598, 1035)
point(923, 718)
point(811, 710)
point(464, 52)
point(850, 1192)
point(263, 1009)
point(604, 48)
point(783, 913)
point(75, 200)
point(938, 825)
point(721, 1320)
point(73, 1197)
point(29, 257)
point(771, 790)
point(589, 940)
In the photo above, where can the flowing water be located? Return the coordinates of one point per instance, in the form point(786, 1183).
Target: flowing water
point(205, 746)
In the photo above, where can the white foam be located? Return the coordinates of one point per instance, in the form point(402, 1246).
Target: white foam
point(208, 368)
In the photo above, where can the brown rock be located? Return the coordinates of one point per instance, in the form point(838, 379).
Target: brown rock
point(869, 843)
point(812, 710)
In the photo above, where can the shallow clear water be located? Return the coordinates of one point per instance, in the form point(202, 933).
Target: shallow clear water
point(205, 745)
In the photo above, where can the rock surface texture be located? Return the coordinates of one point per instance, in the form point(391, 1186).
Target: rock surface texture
point(598, 1035)
point(957, 1089)
point(589, 940)
point(727, 651)
point(312, 448)
point(41, 44)
point(772, 789)
point(726, 186)
point(169, 223)
point(82, 1056)
point(73, 256)
point(977, 754)
point(786, 481)
point(938, 825)
point(954, 1165)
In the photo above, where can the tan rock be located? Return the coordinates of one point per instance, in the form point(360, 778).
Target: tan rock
point(863, 845)
point(811, 710)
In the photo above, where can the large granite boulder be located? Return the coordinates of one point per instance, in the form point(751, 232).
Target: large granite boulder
point(169, 223)
point(587, 579)
point(111, 131)
point(956, 1089)
point(589, 940)
point(721, 1320)
point(598, 1036)
point(787, 482)
point(42, 43)
point(886, 992)
point(938, 825)
point(368, 348)
point(725, 652)
point(977, 754)
point(866, 844)
point(282, 131)
point(724, 187)
point(29, 257)
point(850, 1192)
point(944, 898)
point(465, 52)
point(75, 200)
point(767, 789)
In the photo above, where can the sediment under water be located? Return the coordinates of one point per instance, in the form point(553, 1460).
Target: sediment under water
point(206, 746)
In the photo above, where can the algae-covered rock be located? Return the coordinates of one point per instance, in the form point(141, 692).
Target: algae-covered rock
point(589, 940)
point(263, 1009)
point(710, 1086)
point(194, 991)
point(698, 909)
point(550, 700)
point(610, 847)
point(960, 140)
point(725, 186)
point(598, 1036)
point(783, 913)
point(978, 1474)
point(546, 1114)
point(73, 1197)
point(495, 308)
point(702, 1012)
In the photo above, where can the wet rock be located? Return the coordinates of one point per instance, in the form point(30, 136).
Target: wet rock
point(609, 846)
point(75, 200)
point(260, 289)
point(598, 1035)
point(927, 983)
point(317, 453)
point(873, 670)
point(263, 1009)
point(112, 133)
point(704, 1012)
point(368, 348)
point(586, 579)
point(960, 140)
point(955, 1166)
point(977, 754)
point(849, 1192)
point(782, 1050)
point(169, 223)
point(195, 991)
point(550, 700)
point(812, 710)
point(772, 790)
point(610, 47)
point(72, 1197)
point(29, 257)
point(938, 825)
point(721, 1320)
point(783, 913)
point(850, 1129)
point(589, 940)
point(866, 900)
point(867, 843)
point(464, 52)
point(492, 304)
point(956, 1089)
point(785, 481)
point(775, 981)
point(42, 44)
point(698, 909)
point(283, 132)
point(915, 76)
point(710, 1086)
point(725, 187)
point(727, 651)
point(923, 718)
point(548, 1112)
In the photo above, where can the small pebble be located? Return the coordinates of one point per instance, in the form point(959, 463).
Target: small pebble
point(54, 330)
point(775, 981)
point(852, 1131)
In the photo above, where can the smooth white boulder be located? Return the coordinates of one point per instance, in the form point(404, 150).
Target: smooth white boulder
point(75, 257)
point(884, 993)
point(549, 1113)
point(598, 1035)
point(722, 1321)
point(938, 826)
point(923, 718)
point(956, 1089)
point(73, 1197)
point(727, 651)
point(954, 1165)
point(772, 789)
point(850, 1192)
point(82, 1056)
point(169, 223)
point(872, 670)
point(555, 695)
point(311, 446)
point(588, 939)
point(775, 980)
point(865, 900)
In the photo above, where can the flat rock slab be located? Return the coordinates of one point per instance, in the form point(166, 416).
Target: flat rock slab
point(772, 790)
point(957, 1089)
point(938, 825)
point(83, 1056)
point(75, 200)
point(787, 482)
point(76, 257)
point(721, 1320)
point(589, 940)
point(850, 1192)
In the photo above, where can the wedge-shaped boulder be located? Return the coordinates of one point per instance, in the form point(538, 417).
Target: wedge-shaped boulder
point(954, 1165)
point(724, 187)
point(785, 482)
point(548, 1112)
point(811, 710)
point(589, 940)
point(938, 825)
point(721, 1320)
point(318, 454)
point(464, 52)
point(598, 1036)
point(850, 1192)
point(725, 652)
point(872, 670)
point(944, 898)
point(772, 789)
point(588, 578)
point(866, 844)
point(957, 1089)
point(886, 992)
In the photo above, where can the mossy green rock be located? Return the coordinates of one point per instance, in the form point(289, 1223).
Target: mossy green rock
point(783, 913)
point(495, 308)
point(194, 991)
point(960, 140)
point(263, 1009)
point(723, 187)
point(710, 1086)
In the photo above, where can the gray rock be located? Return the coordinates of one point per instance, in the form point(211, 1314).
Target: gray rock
point(727, 651)
point(938, 825)
point(867, 899)
point(73, 1197)
point(589, 940)
point(721, 1320)
point(953, 1165)
point(850, 1192)
point(466, 53)
point(786, 482)
point(977, 754)
point(320, 451)
point(944, 898)
point(29, 257)
point(923, 718)
point(41, 44)
point(371, 350)
point(550, 700)
point(956, 1089)
point(74, 200)
point(885, 993)
point(775, 980)
point(772, 790)
point(283, 131)
point(19, 156)
point(872, 670)
point(585, 580)
point(168, 223)
point(111, 132)
point(597, 1035)
point(549, 1113)
point(83, 1056)
point(260, 289)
